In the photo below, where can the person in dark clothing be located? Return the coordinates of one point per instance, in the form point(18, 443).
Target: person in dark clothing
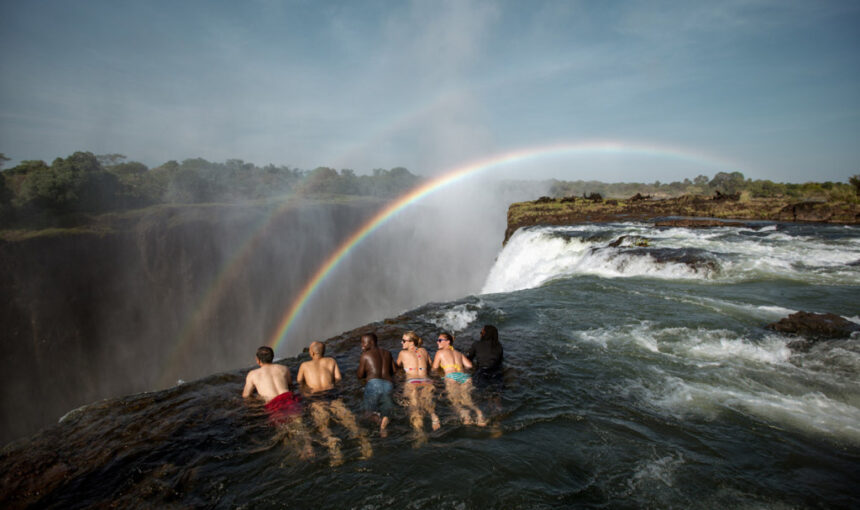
point(486, 355)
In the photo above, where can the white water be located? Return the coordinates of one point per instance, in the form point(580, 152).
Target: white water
point(534, 256)
point(706, 372)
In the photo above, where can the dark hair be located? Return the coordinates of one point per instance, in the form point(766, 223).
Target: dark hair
point(371, 336)
point(265, 354)
point(491, 334)
point(448, 337)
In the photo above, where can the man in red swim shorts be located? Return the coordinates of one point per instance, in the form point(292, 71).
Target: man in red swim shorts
point(272, 382)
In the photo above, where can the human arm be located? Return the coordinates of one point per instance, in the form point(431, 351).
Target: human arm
point(390, 360)
point(437, 361)
point(300, 377)
point(466, 362)
point(470, 353)
point(361, 373)
point(249, 385)
point(336, 371)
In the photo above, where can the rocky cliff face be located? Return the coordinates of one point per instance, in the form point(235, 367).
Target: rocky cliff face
point(572, 210)
point(174, 292)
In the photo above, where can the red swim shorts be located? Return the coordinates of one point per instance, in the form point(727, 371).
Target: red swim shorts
point(284, 407)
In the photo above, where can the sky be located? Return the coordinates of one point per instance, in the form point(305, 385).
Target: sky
point(770, 88)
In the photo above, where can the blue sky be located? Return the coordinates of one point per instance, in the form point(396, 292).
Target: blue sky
point(768, 88)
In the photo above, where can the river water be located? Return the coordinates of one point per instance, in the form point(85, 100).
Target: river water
point(638, 374)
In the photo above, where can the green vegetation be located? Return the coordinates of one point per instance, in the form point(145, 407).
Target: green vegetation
point(726, 183)
point(34, 194)
point(69, 191)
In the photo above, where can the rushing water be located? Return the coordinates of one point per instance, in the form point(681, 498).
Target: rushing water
point(638, 375)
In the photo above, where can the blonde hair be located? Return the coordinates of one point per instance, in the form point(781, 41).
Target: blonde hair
point(414, 338)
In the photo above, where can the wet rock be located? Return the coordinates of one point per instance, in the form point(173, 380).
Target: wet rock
point(693, 223)
point(806, 211)
point(696, 259)
point(726, 197)
point(630, 241)
point(594, 197)
point(639, 197)
point(544, 200)
point(813, 327)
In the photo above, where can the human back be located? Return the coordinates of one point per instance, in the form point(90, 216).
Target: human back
point(320, 373)
point(413, 357)
point(270, 379)
point(451, 360)
point(375, 362)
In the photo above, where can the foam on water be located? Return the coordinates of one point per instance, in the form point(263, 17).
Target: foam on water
point(454, 319)
point(812, 412)
point(707, 372)
point(693, 344)
point(534, 256)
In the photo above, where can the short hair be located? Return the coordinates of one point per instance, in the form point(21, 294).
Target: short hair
point(317, 347)
point(371, 336)
point(414, 338)
point(448, 337)
point(265, 354)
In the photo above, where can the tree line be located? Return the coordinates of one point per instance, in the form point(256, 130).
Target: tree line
point(34, 193)
point(729, 183)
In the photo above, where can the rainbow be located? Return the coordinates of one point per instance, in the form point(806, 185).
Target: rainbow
point(459, 173)
point(211, 296)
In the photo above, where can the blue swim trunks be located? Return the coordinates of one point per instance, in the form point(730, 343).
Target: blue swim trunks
point(460, 377)
point(377, 396)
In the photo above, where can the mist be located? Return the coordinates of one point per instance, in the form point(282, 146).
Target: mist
point(188, 291)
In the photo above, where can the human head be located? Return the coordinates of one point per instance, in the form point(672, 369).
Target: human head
point(265, 354)
point(490, 334)
point(317, 348)
point(368, 341)
point(447, 338)
point(413, 337)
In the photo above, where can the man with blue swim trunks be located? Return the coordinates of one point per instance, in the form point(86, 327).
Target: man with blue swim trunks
point(377, 366)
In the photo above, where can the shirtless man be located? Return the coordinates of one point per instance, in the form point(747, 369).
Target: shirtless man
point(377, 365)
point(319, 376)
point(418, 389)
point(458, 383)
point(272, 383)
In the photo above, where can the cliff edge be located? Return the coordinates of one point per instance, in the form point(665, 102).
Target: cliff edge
point(687, 210)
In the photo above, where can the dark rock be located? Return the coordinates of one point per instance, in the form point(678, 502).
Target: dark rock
point(695, 223)
point(631, 240)
point(594, 197)
point(568, 199)
point(806, 211)
point(814, 327)
point(723, 197)
point(698, 260)
point(639, 197)
point(544, 200)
